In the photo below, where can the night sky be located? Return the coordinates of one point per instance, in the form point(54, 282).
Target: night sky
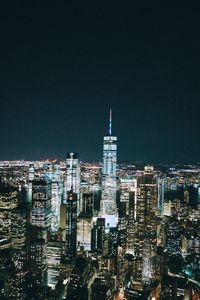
point(63, 67)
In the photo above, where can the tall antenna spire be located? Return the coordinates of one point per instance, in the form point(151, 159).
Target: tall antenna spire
point(110, 122)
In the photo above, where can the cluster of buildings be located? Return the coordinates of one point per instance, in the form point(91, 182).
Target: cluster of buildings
point(74, 230)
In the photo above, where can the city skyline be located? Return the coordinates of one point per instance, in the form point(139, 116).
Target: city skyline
point(58, 239)
point(63, 67)
point(99, 152)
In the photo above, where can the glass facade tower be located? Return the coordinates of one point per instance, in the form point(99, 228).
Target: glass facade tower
point(109, 184)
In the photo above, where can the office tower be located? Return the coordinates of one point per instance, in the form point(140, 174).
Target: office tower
point(146, 228)
point(31, 172)
point(71, 224)
point(41, 204)
point(112, 249)
point(122, 224)
point(161, 191)
point(8, 202)
point(79, 278)
point(18, 236)
point(9, 284)
point(55, 204)
point(88, 203)
point(128, 195)
point(84, 229)
point(41, 224)
point(63, 220)
point(173, 238)
point(85, 222)
point(109, 183)
point(52, 172)
point(167, 210)
point(38, 256)
point(131, 223)
point(55, 251)
point(109, 156)
point(127, 211)
point(97, 235)
point(12, 221)
point(72, 181)
point(12, 244)
point(72, 173)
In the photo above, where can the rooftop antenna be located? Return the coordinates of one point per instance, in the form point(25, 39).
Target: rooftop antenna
point(110, 122)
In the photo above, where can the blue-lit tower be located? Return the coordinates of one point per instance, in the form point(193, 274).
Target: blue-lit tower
point(109, 184)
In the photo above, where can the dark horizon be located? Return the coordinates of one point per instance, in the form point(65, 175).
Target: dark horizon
point(64, 66)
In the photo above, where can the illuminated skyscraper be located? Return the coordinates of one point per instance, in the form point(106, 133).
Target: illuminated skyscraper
point(127, 212)
point(53, 174)
point(41, 204)
point(161, 190)
point(71, 224)
point(72, 182)
point(8, 202)
point(84, 230)
point(54, 255)
point(31, 173)
point(146, 228)
point(73, 173)
point(109, 184)
point(97, 234)
point(37, 258)
point(55, 204)
point(110, 156)
point(41, 217)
